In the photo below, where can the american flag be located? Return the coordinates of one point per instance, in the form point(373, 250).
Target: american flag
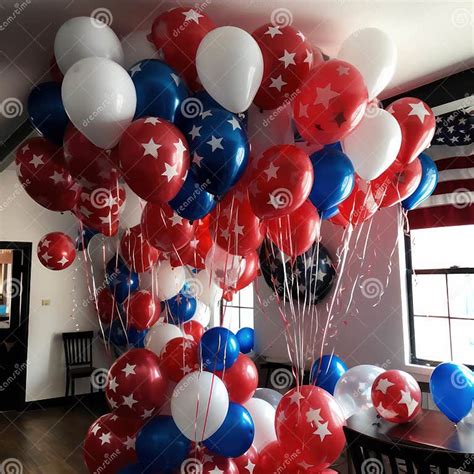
point(452, 149)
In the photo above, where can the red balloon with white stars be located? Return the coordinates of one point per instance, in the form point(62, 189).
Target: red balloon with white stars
point(417, 122)
point(206, 462)
point(179, 358)
point(331, 103)
point(43, 175)
point(135, 384)
point(177, 34)
point(247, 462)
point(396, 396)
point(142, 309)
point(280, 181)
point(56, 251)
point(287, 60)
point(360, 205)
point(110, 443)
point(310, 420)
point(137, 251)
point(154, 159)
point(165, 229)
point(193, 330)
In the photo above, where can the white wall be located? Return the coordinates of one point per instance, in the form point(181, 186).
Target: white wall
point(21, 219)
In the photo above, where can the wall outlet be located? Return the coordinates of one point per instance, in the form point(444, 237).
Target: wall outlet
point(45, 302)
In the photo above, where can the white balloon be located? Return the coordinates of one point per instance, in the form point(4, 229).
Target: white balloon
point(263, 416)
point(100, 250)
point(206, 290)
point(224, 267)
point(202, 314)
point(374, 54)
point(85, 37)
point(100, 100)
point(353, 390)
point(199, 405)
point(137, 47)
point(229, 63)
point(169, 280)
point(374, 144)
point(160, 334)
point(131, 211)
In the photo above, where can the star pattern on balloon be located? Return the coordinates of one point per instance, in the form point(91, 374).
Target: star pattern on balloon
point(56, 251)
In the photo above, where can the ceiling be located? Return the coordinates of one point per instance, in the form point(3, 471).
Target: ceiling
point(434, 38)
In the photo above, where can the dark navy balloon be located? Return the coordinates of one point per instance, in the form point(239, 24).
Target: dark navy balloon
point(193, 201)
point(133, 469)
point(219, 148)
point(328, 213)
point(160, 90)
point(429, 180)
point(235, 436)
point(83, 238)
point(46, 111)
point(219, 349)
point(121, 280)
point(161, 446)
point(326, 371)
point(181, 308)
point(246, 338)
point(452, 389)
point(333, 178)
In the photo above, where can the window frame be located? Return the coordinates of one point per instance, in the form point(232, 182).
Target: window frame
point(224, 306)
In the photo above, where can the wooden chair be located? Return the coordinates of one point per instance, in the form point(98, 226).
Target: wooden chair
point(78, 352)
point(372, 455)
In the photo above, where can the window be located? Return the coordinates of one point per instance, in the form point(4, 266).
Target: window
point(239, 312)
point(440, 273)
point(8, 287)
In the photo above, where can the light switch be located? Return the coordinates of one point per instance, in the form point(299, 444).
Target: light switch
point(45, 302)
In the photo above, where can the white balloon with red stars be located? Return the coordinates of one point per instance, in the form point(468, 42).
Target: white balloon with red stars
point(56, 251)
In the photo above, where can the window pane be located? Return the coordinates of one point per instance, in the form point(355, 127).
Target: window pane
point(246, 296)
point(246, 318)
point(461, 295)
point(463, 341)
point(432, 339)
point(429, 295)
point(442, 247)
point(231, 319)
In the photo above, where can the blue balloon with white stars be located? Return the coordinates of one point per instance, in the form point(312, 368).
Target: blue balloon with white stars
point(326, 371)
point(193, 201)
point(429, 180)
point(181, 308)
point(219, 149)
point(219, 349)
point(160, 90)
point(246, 338)
point(310, 275)
point(121, 338)
point(46, 111)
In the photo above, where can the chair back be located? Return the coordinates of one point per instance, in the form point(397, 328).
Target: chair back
point(371, 455)
point(78, 348)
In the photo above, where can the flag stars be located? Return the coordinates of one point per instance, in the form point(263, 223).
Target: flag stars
point(129, 370)
point(271, 171)
point(273, 31)
point(175, 219)
point(343, 70)
point(324, 95)
point(277, 83)
point(197, 159)
point(180, 147)
point(419, 110)
point(314, 415)
point(105, 438)
point(215, 143)
point(57, 177)
point(192, 15)
point(95, 429)
point(37, 160)
point(195, 132)
point(170, 171)
point(135, 69)
point(176, 79)
point(146, 414)
point(309, 58)
point(129, 401)
point(288, 58)
point(235, 123)
point(408, 401)
point(151, 148)
point(296, 397)
point(322, 430)
point(383, 385)
point(129, 443)
point(152, 120)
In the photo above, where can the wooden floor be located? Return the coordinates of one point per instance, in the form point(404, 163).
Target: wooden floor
point(48, 440)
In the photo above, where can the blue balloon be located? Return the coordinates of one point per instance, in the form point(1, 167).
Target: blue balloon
point(219, 349)
point(219, 147)
point(160, 90)
point(429, 180)
point(181, 308)
point(333, 178)
point(116, 334)
point(161, 445)
point(235, 435)
point(193, 201)
point(83, 238)
point(326, 371)
point(452, 389)
point(328, 213)
point(133, 469)
point(121, 280)
point(46, 111)
point(246, 338)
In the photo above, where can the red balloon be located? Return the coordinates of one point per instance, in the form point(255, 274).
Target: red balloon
point(234, 226)
point(193, 329)
point(295, 234)
point(107, 307)
point(287, 60)
point(274, 458)
point(179, 358)
point(247, 462)
point(99, 208)
point(137, 251)
point(143, 310)
point(252, 266)
point(361, 203)
point(396, 396)
point(177, 33)
point(56, 251)
point(42, 173)
point(338, 219)
point(395, 184)
point(331, 102)
point(90, 165)
point(164, 228)
point(310, 422)
point(280, 181)
point(241, 379)
point(135, 384)
point(110, 443)
point(417, 122)
point(154, 159)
